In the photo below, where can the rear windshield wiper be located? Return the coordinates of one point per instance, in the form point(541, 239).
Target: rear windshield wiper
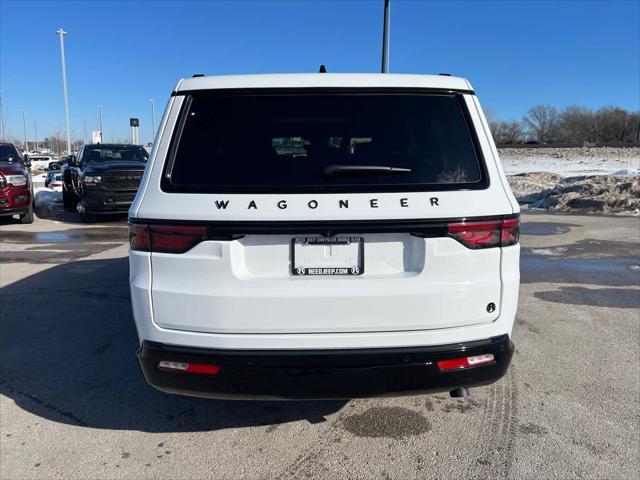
point(362, 169)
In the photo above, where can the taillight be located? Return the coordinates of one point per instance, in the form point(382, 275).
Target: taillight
point(176, 238)
point(486, 233)
point(169, 366)
point(465, 362)
point(165, 238)
point(510, 231)
point(139, 237)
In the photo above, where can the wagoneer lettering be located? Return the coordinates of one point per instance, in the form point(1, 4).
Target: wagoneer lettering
point(344, 235)
point(314, 204)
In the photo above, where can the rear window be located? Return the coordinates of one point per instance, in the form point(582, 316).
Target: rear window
point(271, 143)
point(111, 153)
point(8, 154)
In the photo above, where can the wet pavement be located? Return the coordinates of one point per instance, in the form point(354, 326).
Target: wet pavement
point(73, 403)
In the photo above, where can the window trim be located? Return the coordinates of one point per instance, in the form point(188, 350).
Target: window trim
point(167, 186)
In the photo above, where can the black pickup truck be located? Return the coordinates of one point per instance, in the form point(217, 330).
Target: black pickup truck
point(103, 178)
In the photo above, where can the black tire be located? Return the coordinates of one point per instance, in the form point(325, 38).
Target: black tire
point(87, 215)
point(27, 217)
point(68, 200)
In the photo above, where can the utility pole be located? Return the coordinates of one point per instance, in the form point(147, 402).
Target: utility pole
point(153, 120)
point(61, 33)
point(35, 126)
point(100, 116)
point(24, 127)
point(385, 36)
point(85, 130)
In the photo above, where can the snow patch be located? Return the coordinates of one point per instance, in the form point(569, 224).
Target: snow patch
point(550, 252)
point(46, 198)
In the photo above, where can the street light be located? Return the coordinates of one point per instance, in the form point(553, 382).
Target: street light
point(153, 120)
point(61, 33)
point(24, 127)
point(100, 115)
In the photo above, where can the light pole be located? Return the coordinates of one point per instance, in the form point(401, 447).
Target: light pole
point(24, 127)
point(85, 130)
point(35, 127)
point(100, 116)
point(153, 120)
point(61, 33)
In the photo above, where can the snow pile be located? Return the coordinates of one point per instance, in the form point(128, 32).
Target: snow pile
point(609, 194)
point(38, 178)
point(585, 179)
point(45, 197)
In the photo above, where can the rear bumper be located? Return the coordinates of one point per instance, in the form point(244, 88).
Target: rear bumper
point(13, 211)
point(323, 374)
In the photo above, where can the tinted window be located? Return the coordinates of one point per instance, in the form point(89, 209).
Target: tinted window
point(322, 142)
point(110, 153)
point(8, 154)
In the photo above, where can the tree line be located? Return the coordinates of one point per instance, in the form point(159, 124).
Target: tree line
point(572, 124)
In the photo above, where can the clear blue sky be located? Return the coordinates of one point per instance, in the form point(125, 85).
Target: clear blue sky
point(120, 54)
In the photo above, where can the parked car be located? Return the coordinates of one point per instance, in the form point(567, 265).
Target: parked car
point(57, 164)
point(53, 180)
point(16, 187)
point(103, 178)
point(40, 162)
point(49, 177)
point(345, 235)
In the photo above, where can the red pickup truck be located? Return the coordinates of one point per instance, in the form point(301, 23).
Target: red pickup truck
point(16, 188)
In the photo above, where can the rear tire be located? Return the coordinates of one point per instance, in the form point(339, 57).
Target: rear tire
point(27, 217)
point(87, 215)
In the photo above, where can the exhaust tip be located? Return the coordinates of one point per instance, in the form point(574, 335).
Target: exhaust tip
point(459, 392)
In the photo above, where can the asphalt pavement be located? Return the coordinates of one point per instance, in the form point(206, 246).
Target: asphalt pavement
point(73, 403)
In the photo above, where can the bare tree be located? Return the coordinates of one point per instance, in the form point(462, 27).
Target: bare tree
point(507, 132)
point(492, 117)
point(634, 134)
point(542, 123)
point(612, 124)
point(575, 125)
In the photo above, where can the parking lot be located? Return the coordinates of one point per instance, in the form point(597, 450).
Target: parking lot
point(74, 403)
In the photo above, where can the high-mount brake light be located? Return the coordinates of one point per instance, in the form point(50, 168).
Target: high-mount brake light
point(170, 366)
point(165, 238)
point(477, 234)
point(465, 362)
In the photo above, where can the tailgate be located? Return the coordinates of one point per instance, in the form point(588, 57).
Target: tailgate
point(250, 285)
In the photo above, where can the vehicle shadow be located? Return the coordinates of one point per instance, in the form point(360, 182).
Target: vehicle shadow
point(49, 206)
point(67, 354)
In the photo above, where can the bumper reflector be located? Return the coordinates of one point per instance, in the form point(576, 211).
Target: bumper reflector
point(169, 366)
point(465, 362)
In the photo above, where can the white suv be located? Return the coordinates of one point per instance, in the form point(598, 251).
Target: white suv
point(323, 236)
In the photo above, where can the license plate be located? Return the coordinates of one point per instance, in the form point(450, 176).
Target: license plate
point(327, 256)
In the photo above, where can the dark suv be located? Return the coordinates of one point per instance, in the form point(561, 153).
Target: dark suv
point(103, 178)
